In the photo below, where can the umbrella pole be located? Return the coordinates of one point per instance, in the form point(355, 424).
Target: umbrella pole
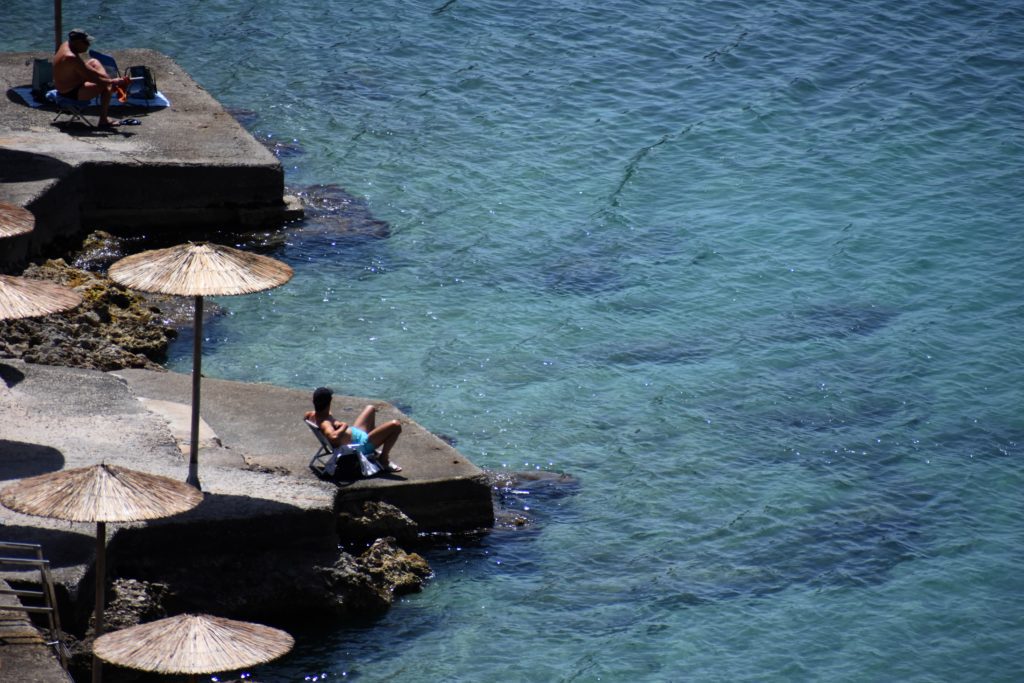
point(197, 361)
point(57, 19)
point(101, 575)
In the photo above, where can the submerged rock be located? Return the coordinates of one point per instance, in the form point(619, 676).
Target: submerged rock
point(331, 210)
point(98, 251)
point(515, 494)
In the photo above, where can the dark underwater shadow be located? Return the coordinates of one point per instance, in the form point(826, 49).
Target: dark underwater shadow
point(333, 212)
point(838, 551)
point(826, 321)
point(670, 351)
point(19, 459)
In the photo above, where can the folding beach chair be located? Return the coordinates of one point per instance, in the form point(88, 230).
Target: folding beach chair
point(73, 109)
point(327, 459)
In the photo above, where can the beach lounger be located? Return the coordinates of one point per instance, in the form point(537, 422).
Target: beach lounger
point(327, 459)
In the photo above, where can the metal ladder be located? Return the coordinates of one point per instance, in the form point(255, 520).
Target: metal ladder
point(47, 596)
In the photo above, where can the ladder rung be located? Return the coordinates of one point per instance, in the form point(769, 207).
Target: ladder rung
point(22, 560)
point(46, 595)
point(13, 545)
point(36, 610)
point(22, 594)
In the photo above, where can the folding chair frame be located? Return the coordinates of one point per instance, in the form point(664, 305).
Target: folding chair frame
point(324, 462)
point(320, 460)
point(73, 109)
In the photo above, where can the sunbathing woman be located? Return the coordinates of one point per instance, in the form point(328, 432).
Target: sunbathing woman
point(363, 431)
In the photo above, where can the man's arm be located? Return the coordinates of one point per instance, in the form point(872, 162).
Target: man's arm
point(91, 73)
point(334, 431)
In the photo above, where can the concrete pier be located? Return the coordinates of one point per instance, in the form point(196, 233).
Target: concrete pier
point(189, 166)
point(262, 504)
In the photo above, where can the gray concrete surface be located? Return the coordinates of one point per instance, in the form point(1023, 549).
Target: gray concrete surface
point(256, 444)
point(190, 165)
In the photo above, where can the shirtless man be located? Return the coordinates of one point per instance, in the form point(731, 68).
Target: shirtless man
point(79, 78)
point(363, 431)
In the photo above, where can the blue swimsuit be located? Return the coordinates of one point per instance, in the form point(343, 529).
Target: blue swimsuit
point(363, 439)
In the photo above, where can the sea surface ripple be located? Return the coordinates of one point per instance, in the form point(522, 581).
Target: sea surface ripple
point(750, 273)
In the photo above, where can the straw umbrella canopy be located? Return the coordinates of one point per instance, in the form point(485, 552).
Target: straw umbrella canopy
point(15, 220)
point(198, 270)
point(100, 493)
point(193, 644)
point(22, 297)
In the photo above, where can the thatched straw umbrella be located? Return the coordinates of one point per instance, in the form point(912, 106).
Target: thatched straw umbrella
point(22, 297)
point(15, 220)
point(199, 270)
point(193, 644)
point(100, 493)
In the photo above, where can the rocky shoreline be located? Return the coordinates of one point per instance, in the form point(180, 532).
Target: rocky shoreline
point(117, 328)
point(357, 569)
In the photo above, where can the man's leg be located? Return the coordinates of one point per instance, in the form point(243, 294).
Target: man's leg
point(105, 105)
point(384, 438)
point(104, 90)
point(90, 90)
point(366, 419)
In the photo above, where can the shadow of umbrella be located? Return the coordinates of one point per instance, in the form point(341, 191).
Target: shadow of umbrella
point(22, 297)
point(193, 644)
point(15, 220)
point(19, 166)
point(198, 270)
point(100, 493)
point(19, 459)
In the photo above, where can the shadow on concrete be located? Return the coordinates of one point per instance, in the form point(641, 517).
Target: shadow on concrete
point(80, 130)
point(11, 376)
point(19, 459)
point(61, 548)
point(222, 506)
point(17, 166)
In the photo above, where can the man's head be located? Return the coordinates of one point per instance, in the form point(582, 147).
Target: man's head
point(322, 398)
point(79, 40)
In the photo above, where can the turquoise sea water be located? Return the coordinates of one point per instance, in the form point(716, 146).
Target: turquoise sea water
point(750, 272)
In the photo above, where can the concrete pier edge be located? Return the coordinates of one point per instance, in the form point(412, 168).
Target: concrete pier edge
point(187, 167)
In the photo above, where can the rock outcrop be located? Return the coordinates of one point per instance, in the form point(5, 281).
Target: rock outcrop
point(368, 584)
point(113, 328)
point(375, 520)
